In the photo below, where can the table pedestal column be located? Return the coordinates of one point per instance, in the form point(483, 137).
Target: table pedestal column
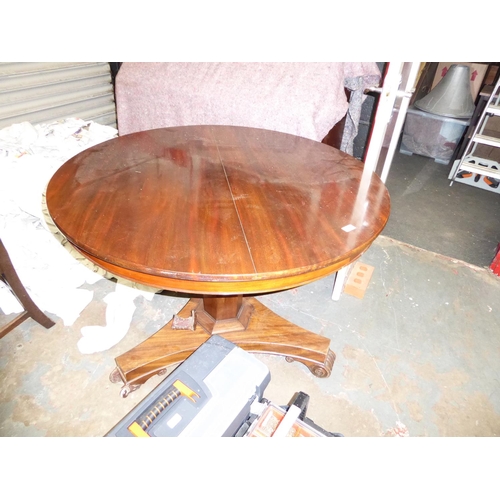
point(242, 320)
point(218, 315)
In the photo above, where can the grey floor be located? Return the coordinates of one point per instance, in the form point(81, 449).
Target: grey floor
point(418, 355)
point(458, 221)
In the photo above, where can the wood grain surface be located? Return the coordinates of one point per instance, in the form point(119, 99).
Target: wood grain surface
point(217, 209)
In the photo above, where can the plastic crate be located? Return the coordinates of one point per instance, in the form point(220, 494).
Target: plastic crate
point(431, 135)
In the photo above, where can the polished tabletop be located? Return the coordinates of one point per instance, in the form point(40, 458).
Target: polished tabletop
point(217, 209)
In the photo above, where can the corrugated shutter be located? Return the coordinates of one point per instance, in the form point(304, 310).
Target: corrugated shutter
point(41, 92)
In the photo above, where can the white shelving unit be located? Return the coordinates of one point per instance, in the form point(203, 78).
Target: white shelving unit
point(475, 170)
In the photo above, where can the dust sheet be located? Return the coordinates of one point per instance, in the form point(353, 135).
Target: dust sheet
point(52, 272)
point(300, 98)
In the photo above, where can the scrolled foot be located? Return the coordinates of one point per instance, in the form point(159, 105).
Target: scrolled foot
point(115, 377)
point(127, 389)
point(323, 370)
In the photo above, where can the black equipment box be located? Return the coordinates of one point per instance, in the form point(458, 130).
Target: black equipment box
point(216, 392)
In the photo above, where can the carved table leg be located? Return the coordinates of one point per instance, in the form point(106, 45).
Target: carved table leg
point(265, 332)
point(320, 370)
point(269, 333)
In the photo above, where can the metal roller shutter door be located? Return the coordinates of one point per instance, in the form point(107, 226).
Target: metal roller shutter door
point(40, 92)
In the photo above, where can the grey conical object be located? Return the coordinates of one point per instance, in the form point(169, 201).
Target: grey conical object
point(451, 96)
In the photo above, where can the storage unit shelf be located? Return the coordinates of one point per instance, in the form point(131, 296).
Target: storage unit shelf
point(478, 169)
point(472, 168)
point(485, 139)
point(494, 110)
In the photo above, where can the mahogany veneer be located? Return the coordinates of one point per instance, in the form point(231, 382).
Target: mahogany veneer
point(220, 213)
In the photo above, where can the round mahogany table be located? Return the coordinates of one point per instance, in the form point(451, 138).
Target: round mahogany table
point(221, 213)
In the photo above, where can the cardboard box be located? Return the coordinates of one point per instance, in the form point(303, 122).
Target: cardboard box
point(477, 72)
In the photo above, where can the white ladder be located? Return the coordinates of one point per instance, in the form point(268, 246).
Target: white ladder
point(475, 164)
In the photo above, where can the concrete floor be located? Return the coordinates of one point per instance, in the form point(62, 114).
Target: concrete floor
point(421, 346)
point(457, 221)
point(416, 356)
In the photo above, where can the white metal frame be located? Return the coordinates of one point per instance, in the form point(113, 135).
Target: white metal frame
point(469, 161)
point(397, 88)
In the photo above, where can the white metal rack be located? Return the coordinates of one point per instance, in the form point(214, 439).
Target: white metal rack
point(475, 164)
